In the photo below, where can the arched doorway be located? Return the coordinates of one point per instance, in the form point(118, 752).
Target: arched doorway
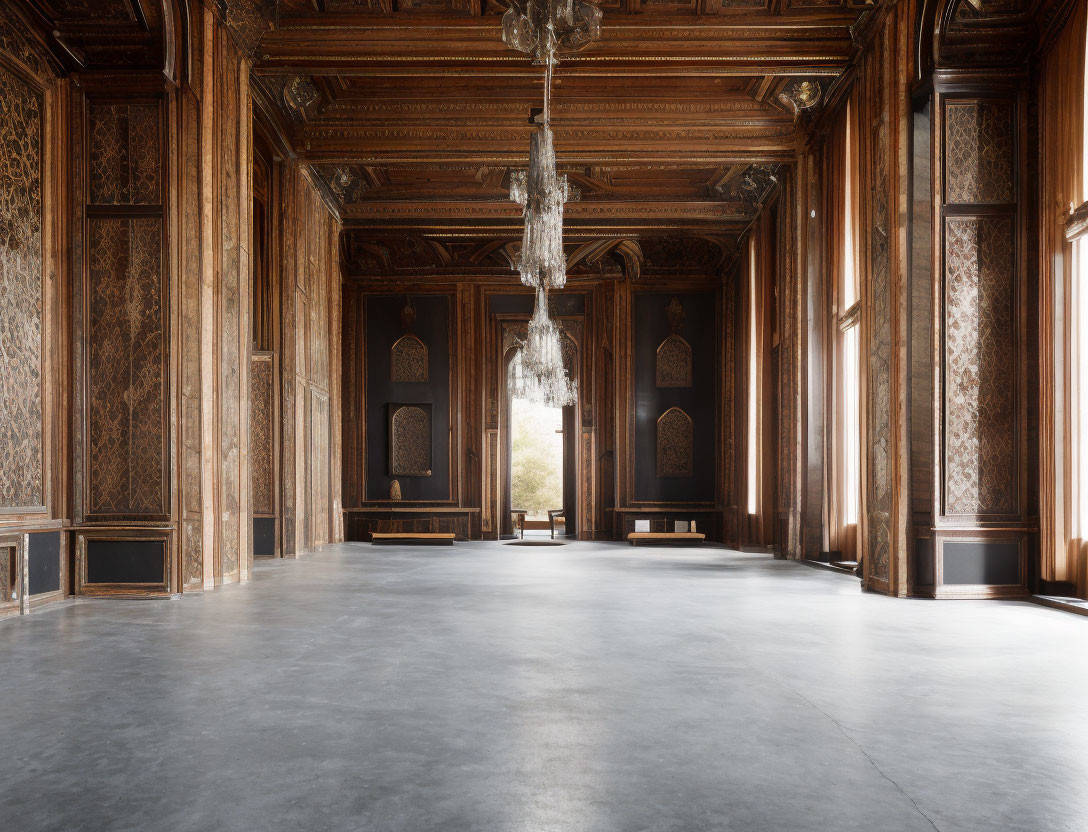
point(513, 330)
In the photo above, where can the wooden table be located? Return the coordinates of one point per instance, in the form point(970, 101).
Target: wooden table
point(634, 538)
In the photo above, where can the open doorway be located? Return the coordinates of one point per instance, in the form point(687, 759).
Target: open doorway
point(536, 466)
point(554, 430)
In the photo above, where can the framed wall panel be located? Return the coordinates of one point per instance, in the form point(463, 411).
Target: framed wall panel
point(22, 295)
point(14, 585)
point(124, 563)
point(435, 326)
point(653, 322)
point(124, 312)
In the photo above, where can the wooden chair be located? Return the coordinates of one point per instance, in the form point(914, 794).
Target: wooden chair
point(519, 520)
point(553, 515)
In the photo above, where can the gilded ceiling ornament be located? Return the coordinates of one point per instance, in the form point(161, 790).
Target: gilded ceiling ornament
point(801, 94)
point(751, 187)
point(300, 93)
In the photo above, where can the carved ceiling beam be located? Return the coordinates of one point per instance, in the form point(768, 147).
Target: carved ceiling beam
point(756, 44)
point(601, 146)
point(724, 212)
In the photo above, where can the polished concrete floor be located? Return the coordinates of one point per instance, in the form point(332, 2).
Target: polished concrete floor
point(589, 687)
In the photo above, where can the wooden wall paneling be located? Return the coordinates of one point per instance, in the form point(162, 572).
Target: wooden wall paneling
point(354, 397)
point(319, 466)
point(245, 312)
point(791, 317)
point(471, 399)
point(205, 52)
point(981, 539)
point(624, 418)
point(981, 466)
point(334, 321)
point(882, 142)
point(135, 562)
point(603, 354)
point(262, 424)
point(188, 248)
point(32, 272)
point(289, 366)
point(14, 588)
point(813, 204)
point(310, 334)
point(231, 305)
point(125, 312)
point(730, 410)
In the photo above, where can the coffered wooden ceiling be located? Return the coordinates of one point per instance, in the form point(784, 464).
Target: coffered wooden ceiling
point(674, 124)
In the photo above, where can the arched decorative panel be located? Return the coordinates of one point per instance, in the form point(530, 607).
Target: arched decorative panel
point(408, 360)
point(674, 444)
point(410, 440)
point(674, 362)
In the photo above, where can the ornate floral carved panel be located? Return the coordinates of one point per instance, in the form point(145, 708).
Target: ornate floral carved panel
point(410, 440)
point(674, 362)
point(21, 484)
point(261, 448)
point(979, 152)
point(675, 451)
point(408, 360)
point(980, 366)
point(876, 120)
point(124, 154)
point(125, 333)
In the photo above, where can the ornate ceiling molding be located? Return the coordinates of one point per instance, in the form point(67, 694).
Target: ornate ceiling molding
point(375, 255)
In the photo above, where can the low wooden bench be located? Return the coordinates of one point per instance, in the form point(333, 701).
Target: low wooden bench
point(426, 538)
point(636, 538)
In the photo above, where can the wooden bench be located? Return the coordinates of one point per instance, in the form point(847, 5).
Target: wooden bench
point(635, 538)
point(426, 538)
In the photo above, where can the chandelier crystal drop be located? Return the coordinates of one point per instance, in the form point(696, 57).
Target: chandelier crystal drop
point(542, 192)
point(540, 28)
point(537, 372)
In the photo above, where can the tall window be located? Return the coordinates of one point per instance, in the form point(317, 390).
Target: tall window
point(846, 397)
point(1076, 341)
point(1063, 279)
point(754, 379)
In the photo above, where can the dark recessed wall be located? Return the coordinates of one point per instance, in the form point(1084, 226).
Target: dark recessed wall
point(650, 328)
point(383, 328)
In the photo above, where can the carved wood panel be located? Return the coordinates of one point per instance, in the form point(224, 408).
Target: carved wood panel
point(875, 121)
point(124, 154)
point(979, 151)
point(674, 363)
point(21, 451)
point(320, 452)
point(409, 441)
point(126, 349)
point(408, 361)
point(675, 450)
point(980, 366)
point(261, 445)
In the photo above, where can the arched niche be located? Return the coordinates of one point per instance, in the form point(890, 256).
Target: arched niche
point(675, 450)
point(409, 440)
point(674, 362)
point(408, 361)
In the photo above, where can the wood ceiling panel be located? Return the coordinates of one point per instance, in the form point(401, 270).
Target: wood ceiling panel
point(675, 121)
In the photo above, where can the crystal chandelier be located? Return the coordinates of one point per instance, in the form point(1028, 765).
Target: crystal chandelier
point(542, 192)
point(536, 371)
point(540, 28)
